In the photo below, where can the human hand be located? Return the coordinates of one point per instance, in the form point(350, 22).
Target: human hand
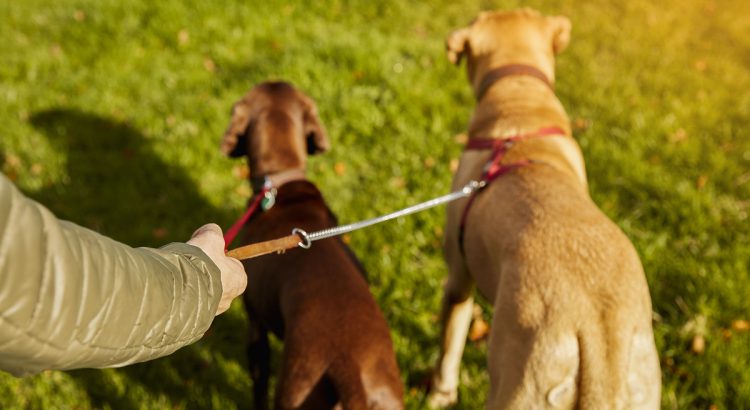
point(233, 278)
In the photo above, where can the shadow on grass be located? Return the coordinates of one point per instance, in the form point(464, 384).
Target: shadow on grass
point(118, 186)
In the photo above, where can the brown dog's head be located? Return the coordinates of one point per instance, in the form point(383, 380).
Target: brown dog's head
point(276, 127)
point(500, 38)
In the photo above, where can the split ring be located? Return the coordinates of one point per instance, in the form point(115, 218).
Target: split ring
point(305, 243)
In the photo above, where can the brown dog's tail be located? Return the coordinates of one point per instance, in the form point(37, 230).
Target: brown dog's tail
point(346, 378)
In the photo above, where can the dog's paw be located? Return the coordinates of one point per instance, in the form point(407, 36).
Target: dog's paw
point(439, 399)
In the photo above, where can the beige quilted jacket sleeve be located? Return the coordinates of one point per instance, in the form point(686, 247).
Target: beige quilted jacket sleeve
point(71, 298)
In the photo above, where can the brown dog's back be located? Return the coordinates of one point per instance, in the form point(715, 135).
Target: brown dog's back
point(337, 344)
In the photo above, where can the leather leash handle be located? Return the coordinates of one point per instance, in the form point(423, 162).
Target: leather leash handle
point(263, 248)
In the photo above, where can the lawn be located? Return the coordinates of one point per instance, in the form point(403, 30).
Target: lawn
point(112, 113)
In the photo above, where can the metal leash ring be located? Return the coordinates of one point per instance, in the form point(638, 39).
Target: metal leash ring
point(305, 243)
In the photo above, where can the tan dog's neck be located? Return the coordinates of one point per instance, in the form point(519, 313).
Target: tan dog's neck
point(514, 105)
point(497, 74)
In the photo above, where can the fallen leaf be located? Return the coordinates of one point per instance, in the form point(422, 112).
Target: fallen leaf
point(678, 136)
point(701, 65)
point(12, 162)
point(183, 37)
point(339, 168)
point(56, 50)
point(36, 169)
point(453, 166)
point(429, 162)
point(461, 138)
point(241, 171)
point(438, 231)
point(581, 124)
point(741, 325)
point(726, 334)
point(243, 190)
point(698, 345)
point(209, 65)
point(398, 182)
point(479, 329)
point(159, 233)
point(79, 15)
point(701, 182)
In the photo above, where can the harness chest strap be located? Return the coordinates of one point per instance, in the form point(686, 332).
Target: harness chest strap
point(495, 167)
point(234, 230)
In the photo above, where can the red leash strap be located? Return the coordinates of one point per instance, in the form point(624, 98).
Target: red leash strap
point(232, 232)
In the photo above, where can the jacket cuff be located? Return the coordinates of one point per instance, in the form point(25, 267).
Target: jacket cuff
point(202, 262)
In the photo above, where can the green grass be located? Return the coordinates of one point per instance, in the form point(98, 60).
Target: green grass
point(112, 118)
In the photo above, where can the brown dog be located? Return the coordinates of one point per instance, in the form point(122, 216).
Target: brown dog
point(572, 311)
point(337, 346)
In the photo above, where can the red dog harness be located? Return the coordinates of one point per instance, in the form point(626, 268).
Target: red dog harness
point(267, 193)
point(495, 167)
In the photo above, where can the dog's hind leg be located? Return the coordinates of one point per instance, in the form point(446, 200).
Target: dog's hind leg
point(259, 359)
point(455, 318)
point(303, 369)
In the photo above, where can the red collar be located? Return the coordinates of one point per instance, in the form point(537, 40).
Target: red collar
point(499, 73)
point(491, 143)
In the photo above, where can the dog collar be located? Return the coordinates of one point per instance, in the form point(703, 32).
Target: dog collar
point(499, 73)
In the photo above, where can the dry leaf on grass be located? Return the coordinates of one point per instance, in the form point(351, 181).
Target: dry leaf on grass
point(698, 345)
point(741, 325)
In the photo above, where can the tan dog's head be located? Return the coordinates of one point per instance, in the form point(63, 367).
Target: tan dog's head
point(498, 38)
point(276, 127)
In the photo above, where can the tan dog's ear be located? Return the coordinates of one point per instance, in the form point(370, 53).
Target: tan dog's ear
point(315, 133)
point(560, 32)
point(456, 45)
point(234, 143)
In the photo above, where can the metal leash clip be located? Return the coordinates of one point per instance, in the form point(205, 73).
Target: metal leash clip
point(305, 243)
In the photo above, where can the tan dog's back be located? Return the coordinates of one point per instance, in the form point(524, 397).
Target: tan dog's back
point(572, 311)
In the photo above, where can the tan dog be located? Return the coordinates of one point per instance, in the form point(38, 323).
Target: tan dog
point(572, 311)
point(337, 346)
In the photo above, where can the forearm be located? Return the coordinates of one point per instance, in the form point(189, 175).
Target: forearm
point(72, 298)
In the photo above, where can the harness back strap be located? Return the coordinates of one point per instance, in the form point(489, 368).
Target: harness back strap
point(495, 167)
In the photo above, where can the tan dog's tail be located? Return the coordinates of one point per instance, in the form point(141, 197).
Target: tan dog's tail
point(618, 368)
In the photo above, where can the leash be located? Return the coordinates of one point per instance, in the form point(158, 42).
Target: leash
point(301, 238)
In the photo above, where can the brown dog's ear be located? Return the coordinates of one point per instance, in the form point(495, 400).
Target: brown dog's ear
point(315, 133)
point(560, 32)
point(456, 45)
point(234, 143)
